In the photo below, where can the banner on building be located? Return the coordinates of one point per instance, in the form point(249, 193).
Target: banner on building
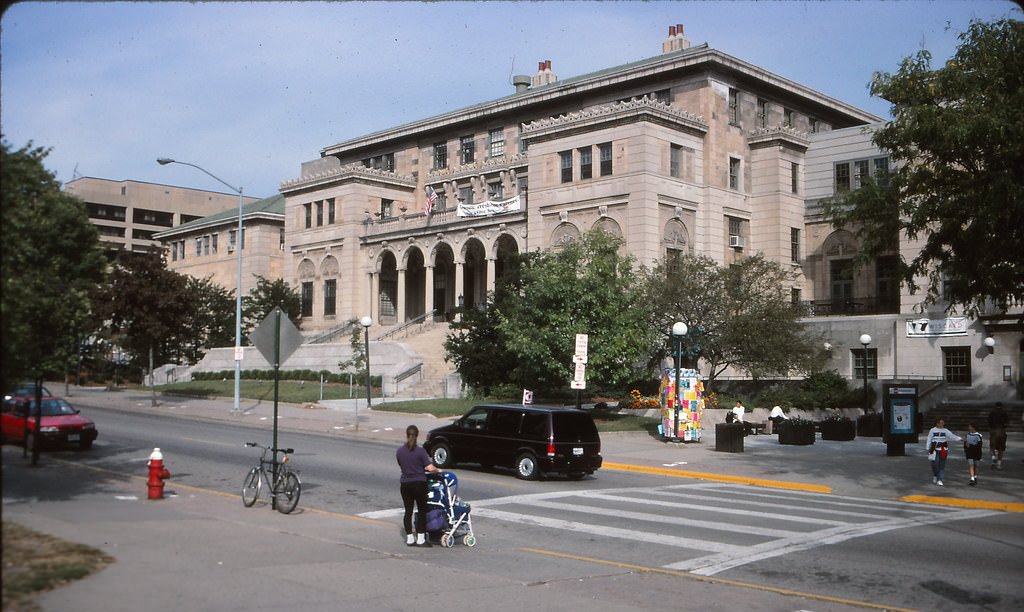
point(490, 207)
point(936, 328)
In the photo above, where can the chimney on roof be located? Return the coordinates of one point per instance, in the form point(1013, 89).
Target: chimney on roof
point(544, 74)
point(521, 82)
point(675, 41)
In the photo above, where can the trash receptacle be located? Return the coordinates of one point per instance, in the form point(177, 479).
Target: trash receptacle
point(729, 437)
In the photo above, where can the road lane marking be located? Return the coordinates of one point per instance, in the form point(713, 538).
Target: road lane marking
point(964, 503)
point(718, 509)
point(632, 535)
point(714, 564)
point(757, 482)
point(718, 580)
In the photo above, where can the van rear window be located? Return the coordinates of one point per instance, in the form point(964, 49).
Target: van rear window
point(573, 425)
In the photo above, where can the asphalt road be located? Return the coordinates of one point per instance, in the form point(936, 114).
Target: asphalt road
point(836, 547)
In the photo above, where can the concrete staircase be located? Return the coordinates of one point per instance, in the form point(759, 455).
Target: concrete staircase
point(958, 414)
point(429, 345)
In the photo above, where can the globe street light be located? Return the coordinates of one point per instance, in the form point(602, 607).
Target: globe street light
point(366, 322)
point(163, 161)
point(865, 340)
point(678, 331)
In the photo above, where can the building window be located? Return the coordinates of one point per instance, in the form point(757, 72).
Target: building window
point(787, 117)
point(308, 206)
point(814, 125)
point(441, 203)
point(762, 113)
point(881, 170)
point(795, 298)
point(887, 284)
point(794, 177)
point(231, 240)
point(307, 299)
point(861, 170)
point(495, 191)
point(467, 149)
point(734, 173)
point(330, 296)
point(466, 195)
point(213, 244)
point(675, 156)
point(735, 227)
point(841, 282)
point(956, 364)
point(842, 174)
point(280, 238)
point(522, 186)
point(794, 244)
point(174, 251)
point(859, 363)
point(319, 213)
point(440, 155)
point(566, 166)
point(734, 107)
point(206, 244)
point(181, 249)
point(586, 162)
point(523, 145)
point(496, 142)
point(330, 211)
point(385, 207)
point(606, 158)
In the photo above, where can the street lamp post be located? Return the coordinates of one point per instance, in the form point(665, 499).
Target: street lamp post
point(865, 340)
point(366, 322)
point(163, 161)
point(678, 331)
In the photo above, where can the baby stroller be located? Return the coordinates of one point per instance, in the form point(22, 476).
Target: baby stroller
point(447, 515)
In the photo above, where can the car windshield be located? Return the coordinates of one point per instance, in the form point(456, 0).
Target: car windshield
point(573, 425)
point(53, 407)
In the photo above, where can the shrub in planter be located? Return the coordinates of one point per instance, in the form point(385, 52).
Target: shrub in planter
point(838, 427)
point(796, 431)
point(870, 425)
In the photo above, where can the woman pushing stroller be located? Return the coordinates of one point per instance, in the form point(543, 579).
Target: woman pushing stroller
point(414, 462)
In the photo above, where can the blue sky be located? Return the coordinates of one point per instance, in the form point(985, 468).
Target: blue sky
point(251, 90)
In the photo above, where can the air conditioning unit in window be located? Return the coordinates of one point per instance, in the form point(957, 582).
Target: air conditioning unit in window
point(735, 241)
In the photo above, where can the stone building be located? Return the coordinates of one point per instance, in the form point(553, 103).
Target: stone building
point(205, 248)
point(129, 213)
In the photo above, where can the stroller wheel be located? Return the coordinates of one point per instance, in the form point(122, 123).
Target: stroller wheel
point(469, 540)
point(447, 540)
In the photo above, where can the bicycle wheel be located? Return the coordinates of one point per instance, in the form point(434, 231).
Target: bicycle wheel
point(288, 493)
point(251, 487)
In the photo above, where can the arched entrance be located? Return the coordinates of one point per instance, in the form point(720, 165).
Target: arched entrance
point(506, 259)
point(415, 284)
point(474, 274)
point(387, 294)
point(444, 282)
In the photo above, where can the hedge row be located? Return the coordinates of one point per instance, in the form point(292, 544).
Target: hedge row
point(304, 375)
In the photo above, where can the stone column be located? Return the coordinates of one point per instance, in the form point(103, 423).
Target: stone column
point(371, 299)
point(490, 274)
point(428, 299)
point(400, 313)
point(459, 286)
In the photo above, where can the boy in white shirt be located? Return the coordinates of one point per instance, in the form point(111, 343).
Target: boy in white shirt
point(938, 449)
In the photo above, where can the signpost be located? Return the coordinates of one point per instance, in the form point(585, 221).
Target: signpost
point(579, 358)
point(276, 338)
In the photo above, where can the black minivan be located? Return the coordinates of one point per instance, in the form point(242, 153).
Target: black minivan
point(532, 440)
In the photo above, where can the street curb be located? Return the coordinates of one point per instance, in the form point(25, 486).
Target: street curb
point(963, 503)
point(757, 482)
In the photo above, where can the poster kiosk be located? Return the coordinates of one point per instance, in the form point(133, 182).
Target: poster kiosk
point(681, 422)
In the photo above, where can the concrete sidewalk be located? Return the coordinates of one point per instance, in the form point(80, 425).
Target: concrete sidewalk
point(859, 467)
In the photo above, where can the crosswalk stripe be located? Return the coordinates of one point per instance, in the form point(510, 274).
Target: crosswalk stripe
point(719, 509)
point(612, 532)
point(670, 520)
point(733, 500)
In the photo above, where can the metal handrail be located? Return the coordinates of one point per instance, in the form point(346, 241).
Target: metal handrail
point(410, 372)
point(331, 334)
point(394, 331)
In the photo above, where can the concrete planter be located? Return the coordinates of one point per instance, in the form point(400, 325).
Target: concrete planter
point(797, 433)
point(870, 425)
point(844, 430)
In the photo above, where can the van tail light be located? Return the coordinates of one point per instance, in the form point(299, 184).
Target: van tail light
point(551, 449)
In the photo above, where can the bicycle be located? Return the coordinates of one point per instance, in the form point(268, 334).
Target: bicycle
point(285, 486)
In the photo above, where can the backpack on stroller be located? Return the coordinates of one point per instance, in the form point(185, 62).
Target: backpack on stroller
point(447, 515)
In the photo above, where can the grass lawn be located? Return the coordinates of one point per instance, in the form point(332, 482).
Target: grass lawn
point(34, 563)
point(293, 392)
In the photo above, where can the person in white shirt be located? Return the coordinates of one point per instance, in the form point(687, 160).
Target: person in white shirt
point(938, 448)
point(738, 411)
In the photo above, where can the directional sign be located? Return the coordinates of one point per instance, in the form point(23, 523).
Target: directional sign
point(581, 344)
point(288, 340)
point(582, 384)
point(581, 372)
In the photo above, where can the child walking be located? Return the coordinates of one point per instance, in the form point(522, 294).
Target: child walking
point(972, 449)
point(938, 448)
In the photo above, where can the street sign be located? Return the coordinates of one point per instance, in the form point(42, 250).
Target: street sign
point(581, 344)
point(580, 384)
point(581, 372)
point(289, 339)
point(239, 353)
point(579, 358)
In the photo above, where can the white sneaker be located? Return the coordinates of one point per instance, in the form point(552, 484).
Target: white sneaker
point(940, 483)
point(934, 480)
point(410, 540)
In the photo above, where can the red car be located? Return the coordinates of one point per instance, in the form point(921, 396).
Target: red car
point(61, 424)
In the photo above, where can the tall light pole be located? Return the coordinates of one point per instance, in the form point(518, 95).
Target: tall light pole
point(366, 322)
point(163, 161)
point(678, 331)
point(865, 340)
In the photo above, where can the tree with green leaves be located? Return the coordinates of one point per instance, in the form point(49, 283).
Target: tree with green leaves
point(737, 316)
point(211, 322)
point(527, 335)
point(957, 138)
point(263, 298)
point(51, 260)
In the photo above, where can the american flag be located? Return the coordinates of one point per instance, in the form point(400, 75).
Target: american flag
point(428, 206)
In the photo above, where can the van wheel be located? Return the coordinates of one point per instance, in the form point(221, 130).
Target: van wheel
point(526, 467)
point(442, 456)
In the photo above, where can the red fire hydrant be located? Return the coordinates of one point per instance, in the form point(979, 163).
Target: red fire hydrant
point(157, 474)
